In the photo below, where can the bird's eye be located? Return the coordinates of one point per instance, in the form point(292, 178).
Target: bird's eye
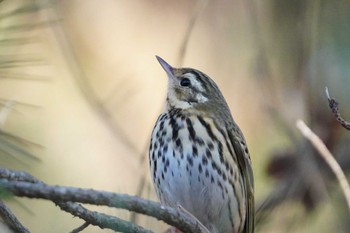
point(185, 82)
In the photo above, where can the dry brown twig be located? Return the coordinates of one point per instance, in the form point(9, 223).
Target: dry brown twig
point(327, 156)
point(334, 105)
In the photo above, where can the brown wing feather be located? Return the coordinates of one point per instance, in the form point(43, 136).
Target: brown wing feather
point(246, 171)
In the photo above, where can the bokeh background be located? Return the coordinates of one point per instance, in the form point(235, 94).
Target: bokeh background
point(80, 91)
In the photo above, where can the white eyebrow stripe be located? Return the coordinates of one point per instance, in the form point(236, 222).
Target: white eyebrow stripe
point(194, 81)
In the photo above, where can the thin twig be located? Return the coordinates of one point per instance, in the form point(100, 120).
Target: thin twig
point(102, 220)
point(267, 76)
point(199, 7)
point(11, 220)
point(327, 156)
point(334, 105)
point(80, 228)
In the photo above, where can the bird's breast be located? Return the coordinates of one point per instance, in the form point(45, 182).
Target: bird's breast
point(193, 164)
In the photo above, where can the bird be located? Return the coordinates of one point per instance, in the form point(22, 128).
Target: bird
point(198, 156)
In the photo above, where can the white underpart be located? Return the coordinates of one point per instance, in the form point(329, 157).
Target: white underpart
point(182, 104)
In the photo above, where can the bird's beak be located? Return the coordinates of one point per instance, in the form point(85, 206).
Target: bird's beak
point(168, 68)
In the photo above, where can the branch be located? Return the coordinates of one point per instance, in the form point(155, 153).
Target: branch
point(94, 218)
point(101, 220)
point(334, 105)
point(327, 156)
point(80, 228)
point(21, 184)
point(11, 220)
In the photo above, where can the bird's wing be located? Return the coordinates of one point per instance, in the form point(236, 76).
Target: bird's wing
point(246, 171)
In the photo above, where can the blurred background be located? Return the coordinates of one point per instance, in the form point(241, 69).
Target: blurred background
point(80, 91)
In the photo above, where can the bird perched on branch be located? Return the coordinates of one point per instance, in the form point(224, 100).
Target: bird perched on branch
point(198, 155)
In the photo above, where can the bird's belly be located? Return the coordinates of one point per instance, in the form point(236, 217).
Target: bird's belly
point(185, 181)
point(184, 184)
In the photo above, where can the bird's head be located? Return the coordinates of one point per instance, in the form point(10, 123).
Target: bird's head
point(190, 89)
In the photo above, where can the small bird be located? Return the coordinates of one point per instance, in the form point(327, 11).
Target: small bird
point(198, 155)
